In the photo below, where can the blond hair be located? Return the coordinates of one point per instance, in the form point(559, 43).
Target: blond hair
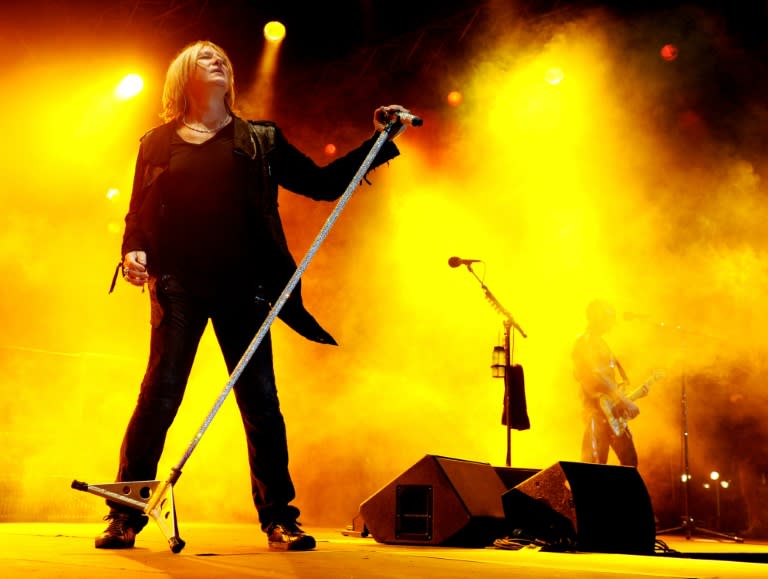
point(178, 75)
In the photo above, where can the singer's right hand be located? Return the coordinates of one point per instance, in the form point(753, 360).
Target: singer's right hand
point(135, 268)
point(382, 116)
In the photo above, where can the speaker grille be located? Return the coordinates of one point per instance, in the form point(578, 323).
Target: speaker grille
point(413, 512)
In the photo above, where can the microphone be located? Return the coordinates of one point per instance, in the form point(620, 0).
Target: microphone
point(409, 118)
point(457, 261)
point(405, 117)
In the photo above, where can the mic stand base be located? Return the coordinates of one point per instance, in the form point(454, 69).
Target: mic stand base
point(153, 498)
point(690, 528)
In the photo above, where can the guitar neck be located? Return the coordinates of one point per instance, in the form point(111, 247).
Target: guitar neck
point(641, 391)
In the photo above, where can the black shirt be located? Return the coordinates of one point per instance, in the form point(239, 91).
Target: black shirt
point(209, 239)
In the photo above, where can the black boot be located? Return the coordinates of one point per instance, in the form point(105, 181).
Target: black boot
point(122, 530)
point(288, 537)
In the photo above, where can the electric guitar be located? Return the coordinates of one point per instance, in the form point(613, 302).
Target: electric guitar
point(614, 410)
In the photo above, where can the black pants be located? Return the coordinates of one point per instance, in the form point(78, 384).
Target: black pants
point(178, 322)
point(599, 438)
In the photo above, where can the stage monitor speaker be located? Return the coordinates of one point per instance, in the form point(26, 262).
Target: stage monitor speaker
point(591, 507)
point(438, 501)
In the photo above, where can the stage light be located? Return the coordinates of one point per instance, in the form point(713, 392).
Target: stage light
point(554, 75)
point(112, 193)
point(261, 94)
point(669, 52)
point(274, 31)
point(330, 149)
point(454, 98)
point(129, 87)
point(714, 475)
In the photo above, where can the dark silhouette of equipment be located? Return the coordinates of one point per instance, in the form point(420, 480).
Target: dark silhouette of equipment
point(438, 501)
point(584, 507)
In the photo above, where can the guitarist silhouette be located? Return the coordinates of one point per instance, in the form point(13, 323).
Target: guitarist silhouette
point(608, 401)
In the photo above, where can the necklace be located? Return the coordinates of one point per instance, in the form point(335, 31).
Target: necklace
point(191, 128)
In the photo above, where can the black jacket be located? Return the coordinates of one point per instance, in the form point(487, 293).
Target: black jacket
point(272, 162)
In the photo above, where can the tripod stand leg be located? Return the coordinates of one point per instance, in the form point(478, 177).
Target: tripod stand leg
point(719, 535)
point(162, 509)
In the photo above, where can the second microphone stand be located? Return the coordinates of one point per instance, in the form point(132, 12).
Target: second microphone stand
point(687, 524)
point(509, 323)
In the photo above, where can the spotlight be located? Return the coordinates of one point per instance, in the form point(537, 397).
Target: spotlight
point(129, 87)
point(669, 52)
point(454, 98)
point(274, 31)
point(330, 149)
point(554, 75)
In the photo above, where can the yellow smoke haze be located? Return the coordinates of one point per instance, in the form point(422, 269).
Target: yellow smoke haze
point(557, 170)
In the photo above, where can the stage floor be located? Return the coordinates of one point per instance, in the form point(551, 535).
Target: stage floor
point(65, 550)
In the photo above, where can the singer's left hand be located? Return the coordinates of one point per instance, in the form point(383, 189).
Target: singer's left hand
point(383, 115)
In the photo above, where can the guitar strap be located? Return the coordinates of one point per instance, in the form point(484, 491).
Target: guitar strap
point(622, 373)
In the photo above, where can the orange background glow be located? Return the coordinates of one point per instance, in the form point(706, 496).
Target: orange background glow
point(567, 191)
